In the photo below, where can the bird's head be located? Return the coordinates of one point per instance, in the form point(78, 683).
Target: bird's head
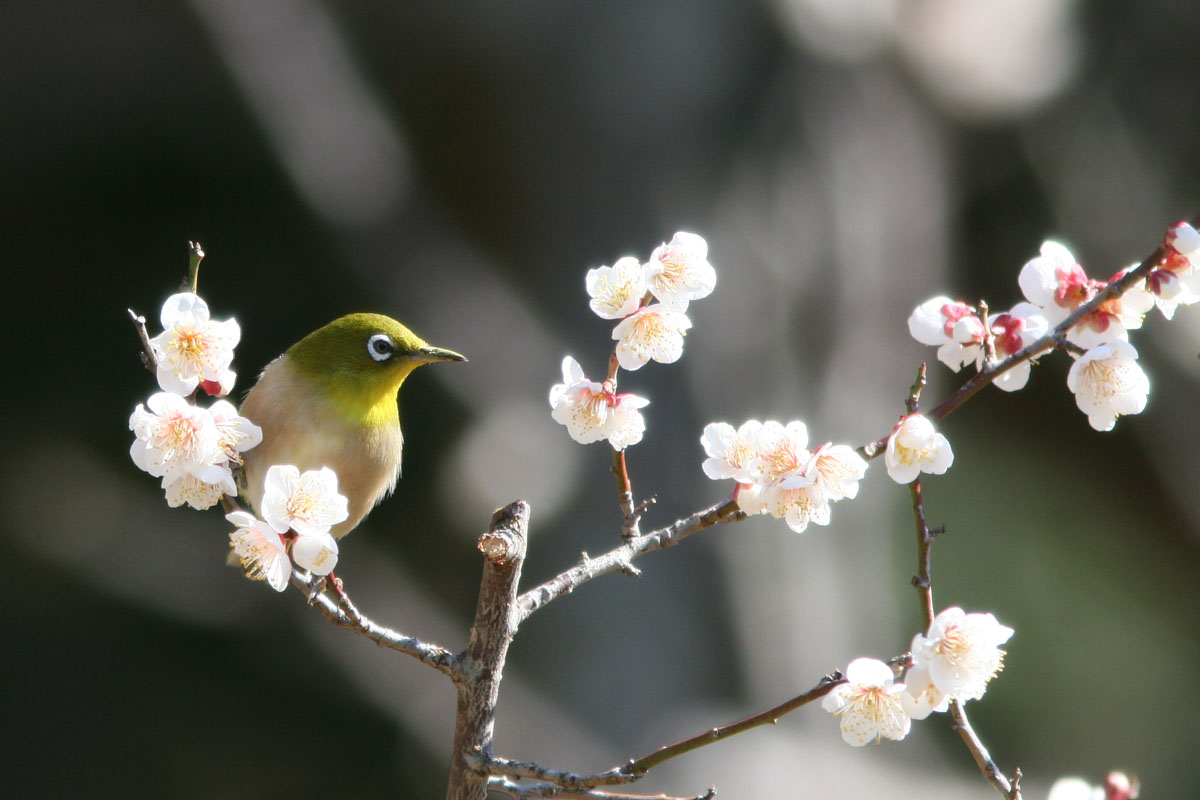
point(359, 361)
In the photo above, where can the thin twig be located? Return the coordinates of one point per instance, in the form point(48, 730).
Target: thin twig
point(630, 515)
point(1050, 341)
point(195, 256)
point(149, 360)
point(1010, 789)
point(620, 558)
point(770, 716)
point(923, 580)
point(548, 790)
point(348, 616)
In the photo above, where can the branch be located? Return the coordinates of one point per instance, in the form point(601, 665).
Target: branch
point(922, 580)
point(546, 790)
point(195, 256)
point(620, 559)
point(1055, 338)
point(631, 515)
point(1010, 789)
point(149, 360)
point(771, 715)
point(496, 619)
point(345, 614)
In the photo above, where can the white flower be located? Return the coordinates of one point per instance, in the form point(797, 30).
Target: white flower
point(797, 506)
point(307, 503)
point(868, 703)
point(1176, 280)
point(236, 434)
point(617, 291)
point(1012, 332)
point(315, 552)
point(192, 349)
point(835, 470)
point(1057, 285)
point(921, 698)
point(961, 652)
point(260, 549)
point(175, 438)
point(592, 413)
point(783, 469)
point(951, 326)
point(1074, 789)
point(679, 272)
point(652, 332)
point(731, 452)
point(197, 493)
point(1108, 383)
point(915, 447)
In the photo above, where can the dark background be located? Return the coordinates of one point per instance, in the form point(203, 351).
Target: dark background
point(460, 166)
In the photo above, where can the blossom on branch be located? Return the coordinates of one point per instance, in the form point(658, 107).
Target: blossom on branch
point(868, 703)
point(1108, 383)
point(591, 412)
point(1176, 280)
point(731, 451)
point(653, 332)
point(192, 349)
point(617, 291)
point(1012, 332)
point(316, 552)
point(951, 326)
point(678, 271)
point(307, 503)
point(260, 549)
point(915, 447)
point(954, 660)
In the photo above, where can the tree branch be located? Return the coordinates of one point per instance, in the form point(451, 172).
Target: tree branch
point(1055, 338)
point(549, 790)
point(482, 664)
point(620, 559)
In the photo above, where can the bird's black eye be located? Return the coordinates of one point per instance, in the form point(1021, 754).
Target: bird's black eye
point(380, 347)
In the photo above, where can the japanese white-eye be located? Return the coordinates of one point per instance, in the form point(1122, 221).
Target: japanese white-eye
point(330, 401)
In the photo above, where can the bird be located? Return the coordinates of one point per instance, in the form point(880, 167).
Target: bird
point(331, 401)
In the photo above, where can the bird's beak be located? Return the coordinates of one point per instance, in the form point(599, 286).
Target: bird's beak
point(428, 354)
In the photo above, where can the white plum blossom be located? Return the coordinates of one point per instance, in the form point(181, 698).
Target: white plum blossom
point(915, 447)
point(593, 413)
point(678, 271)
point(236, 434)
point(307, 503)
point(1176, 280)
point(960, 654)
point(192, 349)
point(835, 470)
point(200, 494)
point(868, 703)
point(315, 552)
point(1057, 285)
point(1074, 789)
point(1012, 332)
point(653, 332)
point(260, 549)
point(174, 438)
point(1108, 383)
point(617, 291)
point(778, 474)
point(951, 326)
point(731, 451)
point(921, 697)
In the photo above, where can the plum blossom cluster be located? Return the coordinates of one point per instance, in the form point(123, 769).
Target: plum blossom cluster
point(953, 661)
point(649, 300)
point(192, 449)
point(777, 473)
point(298, 511)
point(1106, 379)
point(1117, 786)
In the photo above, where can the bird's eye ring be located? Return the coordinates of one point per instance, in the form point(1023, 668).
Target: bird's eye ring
point(380, 347)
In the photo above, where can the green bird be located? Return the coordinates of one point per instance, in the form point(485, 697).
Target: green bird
point(330, 401)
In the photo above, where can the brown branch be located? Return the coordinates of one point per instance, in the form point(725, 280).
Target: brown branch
point(149, 360)
point(631, 513)
point(1055, 338)
point(620, 559)
point(771, 715)
point(549, 790)
point(923, 581)
point(482, 664)
point(1011, 789)
point(195, 256)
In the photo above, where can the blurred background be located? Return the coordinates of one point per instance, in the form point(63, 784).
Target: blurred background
point(460, 166)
